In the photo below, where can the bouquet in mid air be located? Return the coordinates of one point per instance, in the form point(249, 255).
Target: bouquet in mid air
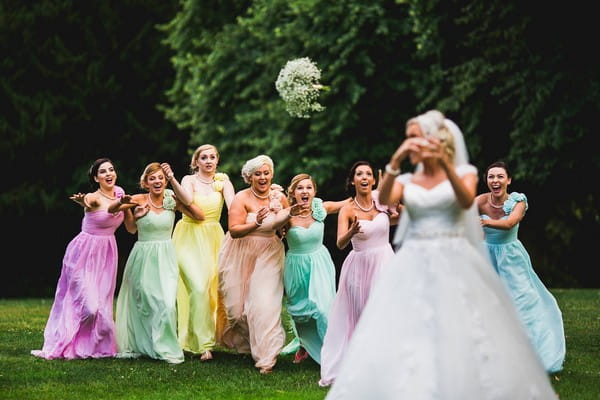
point(299, 87)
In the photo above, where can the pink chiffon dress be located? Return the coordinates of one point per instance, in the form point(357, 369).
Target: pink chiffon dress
point(370, 250)
point(81, 322)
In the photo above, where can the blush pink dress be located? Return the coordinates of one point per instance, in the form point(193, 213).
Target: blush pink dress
point(251, 288)
point(370, 250)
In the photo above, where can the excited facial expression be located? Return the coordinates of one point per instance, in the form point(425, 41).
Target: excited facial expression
point(106, 176)
point(304, 192)
point(208, 160)
point(261, 179)
point(363, 179)
point(156, 182)
point(497, 181)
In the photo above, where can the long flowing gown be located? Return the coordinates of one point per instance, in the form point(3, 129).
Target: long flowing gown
point(81, 322)
point(371, 249)
point(197, 244)
point(309, 282)
point(536, 306)
point(251, 286)
point(439, 323)
point(146, 320)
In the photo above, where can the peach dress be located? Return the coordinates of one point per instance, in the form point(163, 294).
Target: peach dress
point(251, 287)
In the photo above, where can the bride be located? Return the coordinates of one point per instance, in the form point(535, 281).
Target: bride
point(438, 324)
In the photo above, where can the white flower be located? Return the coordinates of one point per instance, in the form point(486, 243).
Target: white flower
point(299, 87)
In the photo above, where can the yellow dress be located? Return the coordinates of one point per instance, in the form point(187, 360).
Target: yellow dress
point(197, 244)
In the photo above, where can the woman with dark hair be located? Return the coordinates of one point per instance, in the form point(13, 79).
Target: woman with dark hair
point(365, 223)
point(501, 214)
point(81, 323)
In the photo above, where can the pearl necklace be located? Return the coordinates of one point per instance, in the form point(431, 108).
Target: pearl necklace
point(203, 181)
point(154, 205)
point(303, 216)
point(105, 195)
point(492, 204)
point(364, 209)
point(266, 196)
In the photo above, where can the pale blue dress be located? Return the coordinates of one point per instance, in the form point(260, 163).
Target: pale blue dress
point(309, 282)
point(536, 306)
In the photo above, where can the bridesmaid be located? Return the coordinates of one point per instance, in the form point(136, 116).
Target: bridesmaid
point(501, 214)
point(81, 324)
point(309, 272)
point(251, 267)
point(146, 316)
point(365, 223)
point(197, 244)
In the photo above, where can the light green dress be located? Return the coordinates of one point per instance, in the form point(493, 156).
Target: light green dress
point(197, 244)
point(146, 316)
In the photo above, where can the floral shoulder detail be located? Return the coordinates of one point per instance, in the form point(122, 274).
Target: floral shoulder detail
point(168, 200)
point(380, 207)
point(275, 197)
point(119, 192)
point(318, 210)
point(512, 200)
point(219, 178)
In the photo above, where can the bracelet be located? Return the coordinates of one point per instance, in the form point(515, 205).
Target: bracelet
point(391, 171)
point(257, 224)
point(170, 176)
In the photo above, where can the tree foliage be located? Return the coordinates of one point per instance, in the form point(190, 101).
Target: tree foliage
point(79, 80)
point(511, 76)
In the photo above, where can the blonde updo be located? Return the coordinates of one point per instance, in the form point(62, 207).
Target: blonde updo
point(254, 164)
point(294, 184)
point(194, 163)
point(433, 124)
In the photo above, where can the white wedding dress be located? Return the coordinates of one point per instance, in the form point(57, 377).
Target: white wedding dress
point(439, 324)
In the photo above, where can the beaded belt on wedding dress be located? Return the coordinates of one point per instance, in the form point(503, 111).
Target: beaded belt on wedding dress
point(433, 234)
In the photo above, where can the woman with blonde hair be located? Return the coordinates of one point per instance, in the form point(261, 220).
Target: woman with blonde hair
point(146, 316)
point(309, 273)
point(197, 243)
point(251, 267)
point(439, 324)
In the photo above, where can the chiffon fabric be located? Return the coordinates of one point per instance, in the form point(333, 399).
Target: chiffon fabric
point(361, 268)
point(81, 322)
point(251, 286)
point(536, 306)
point(309, 282)
point(146, 316)
point(197, 244)
point(439, 323)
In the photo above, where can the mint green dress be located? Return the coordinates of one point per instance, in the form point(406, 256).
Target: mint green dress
point(146, 322)
point(309, 282)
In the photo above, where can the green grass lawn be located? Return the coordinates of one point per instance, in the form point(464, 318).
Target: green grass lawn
point(229, 375)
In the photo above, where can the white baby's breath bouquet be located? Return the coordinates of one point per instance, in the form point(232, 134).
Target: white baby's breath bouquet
point(299, 87)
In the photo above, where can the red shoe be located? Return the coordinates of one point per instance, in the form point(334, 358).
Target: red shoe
point(300, 355)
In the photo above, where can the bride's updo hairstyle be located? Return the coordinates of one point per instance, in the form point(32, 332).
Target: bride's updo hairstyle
point(433, 124)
